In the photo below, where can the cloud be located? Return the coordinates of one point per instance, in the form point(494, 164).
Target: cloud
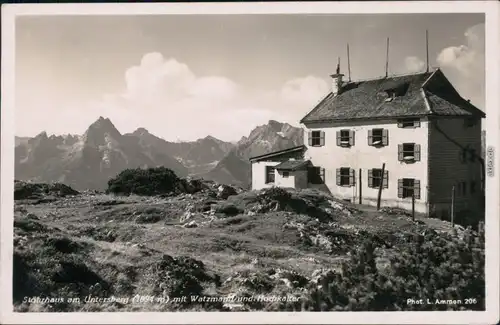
point(170, 100)
point(464, 64)
point(414, 64)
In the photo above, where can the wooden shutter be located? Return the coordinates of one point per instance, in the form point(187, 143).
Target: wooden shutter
point(321, 138)
point(370, 137)
point(309, 138)
point(416, 123)
point(386, 179)
point(338, 139)
point(351, 137)
point(385, 137)
point(416, 188)
point(417, 152)
point(370, 177)
point(400, 152)
point(352, 180)
point(322, 174)
point(400, 188)
point(338, 176)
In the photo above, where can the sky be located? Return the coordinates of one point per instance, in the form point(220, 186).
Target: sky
point(184, 77)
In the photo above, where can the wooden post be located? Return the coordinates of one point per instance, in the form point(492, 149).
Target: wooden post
point(360, 188)
point(452, 206)
point(380, 187)
point(413, 206)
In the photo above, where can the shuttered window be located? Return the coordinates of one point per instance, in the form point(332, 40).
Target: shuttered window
point(269, 174)
point(345, 176)
point(409, 152)
point(345, 138)
point(316, 175)
point(407, 187)
point(378, 137)
point(316, 138)
point(375, 177)
point(409, 123)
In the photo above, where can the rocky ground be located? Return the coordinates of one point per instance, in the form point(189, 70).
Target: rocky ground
point(212, 242)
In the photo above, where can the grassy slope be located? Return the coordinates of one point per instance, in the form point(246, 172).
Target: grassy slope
point(119, 241)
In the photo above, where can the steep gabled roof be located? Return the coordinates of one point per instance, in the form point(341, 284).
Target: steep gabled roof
point(421, 94)
point(293, 165)
point(277, 153)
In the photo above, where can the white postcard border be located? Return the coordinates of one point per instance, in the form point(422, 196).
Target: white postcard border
point(491, 10)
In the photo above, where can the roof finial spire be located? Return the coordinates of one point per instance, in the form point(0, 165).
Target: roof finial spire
point(427, 49)
point(348, 63)
point(387, 60)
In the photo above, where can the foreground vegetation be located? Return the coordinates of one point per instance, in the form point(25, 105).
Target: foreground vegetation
point(203, 239)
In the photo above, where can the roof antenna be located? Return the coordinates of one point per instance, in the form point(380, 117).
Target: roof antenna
point(338, 67)
point(387, 59)
point(427, 49)
point(348, 63)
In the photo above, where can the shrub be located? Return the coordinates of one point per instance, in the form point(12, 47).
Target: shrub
point(431, 266)
point(151, 181)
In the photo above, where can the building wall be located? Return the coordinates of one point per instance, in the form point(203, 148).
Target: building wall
point(300, 179)
point(259, 174)
point(365, 157)
point(284, 181)
point(447, 137)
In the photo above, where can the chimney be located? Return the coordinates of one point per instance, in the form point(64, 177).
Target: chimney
point(337, 80)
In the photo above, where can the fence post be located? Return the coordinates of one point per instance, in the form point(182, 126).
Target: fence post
point(380, 187)
point(360, 188)
point(452, 206)
point(413, 206)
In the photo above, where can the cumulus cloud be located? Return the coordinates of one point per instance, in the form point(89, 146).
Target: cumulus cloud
point(414, 64)
point(465, 64)
point(168, 98)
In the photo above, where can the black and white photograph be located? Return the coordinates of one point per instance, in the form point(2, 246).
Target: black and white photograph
point(239, 162)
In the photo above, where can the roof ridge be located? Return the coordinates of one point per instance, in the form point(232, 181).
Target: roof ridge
point(394, 76)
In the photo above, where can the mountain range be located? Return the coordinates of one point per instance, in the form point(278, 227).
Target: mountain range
point(88, 161)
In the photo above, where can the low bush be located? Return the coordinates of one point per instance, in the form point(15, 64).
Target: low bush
point(444, 269)
point(151, 181)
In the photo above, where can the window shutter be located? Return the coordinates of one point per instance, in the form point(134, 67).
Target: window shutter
point(400, 188)
point(386, 179)
point(385, 137)
point(370, 137)
point(322, 171)
point(416, 189)
point(417, 152)
point(338, 138)
point(400, 124)
point(309, 138)
point(370, 177)
point(400, 152)
point(338, 176)
point(322, 138)
point(351, 137)
point(352, 180)
point(416, 123)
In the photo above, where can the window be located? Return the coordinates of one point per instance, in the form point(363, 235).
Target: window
point(269, 174)
point(316, 175)
point(409, 152)
point(285, 174)
point(345, 138)
point(462, 188)
point(467, 155)
point(316, 138)
point(409, 123)
point(378, 137)
point(375, 178)
point(472, 187)
point(407, 187)
point(345, 176)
